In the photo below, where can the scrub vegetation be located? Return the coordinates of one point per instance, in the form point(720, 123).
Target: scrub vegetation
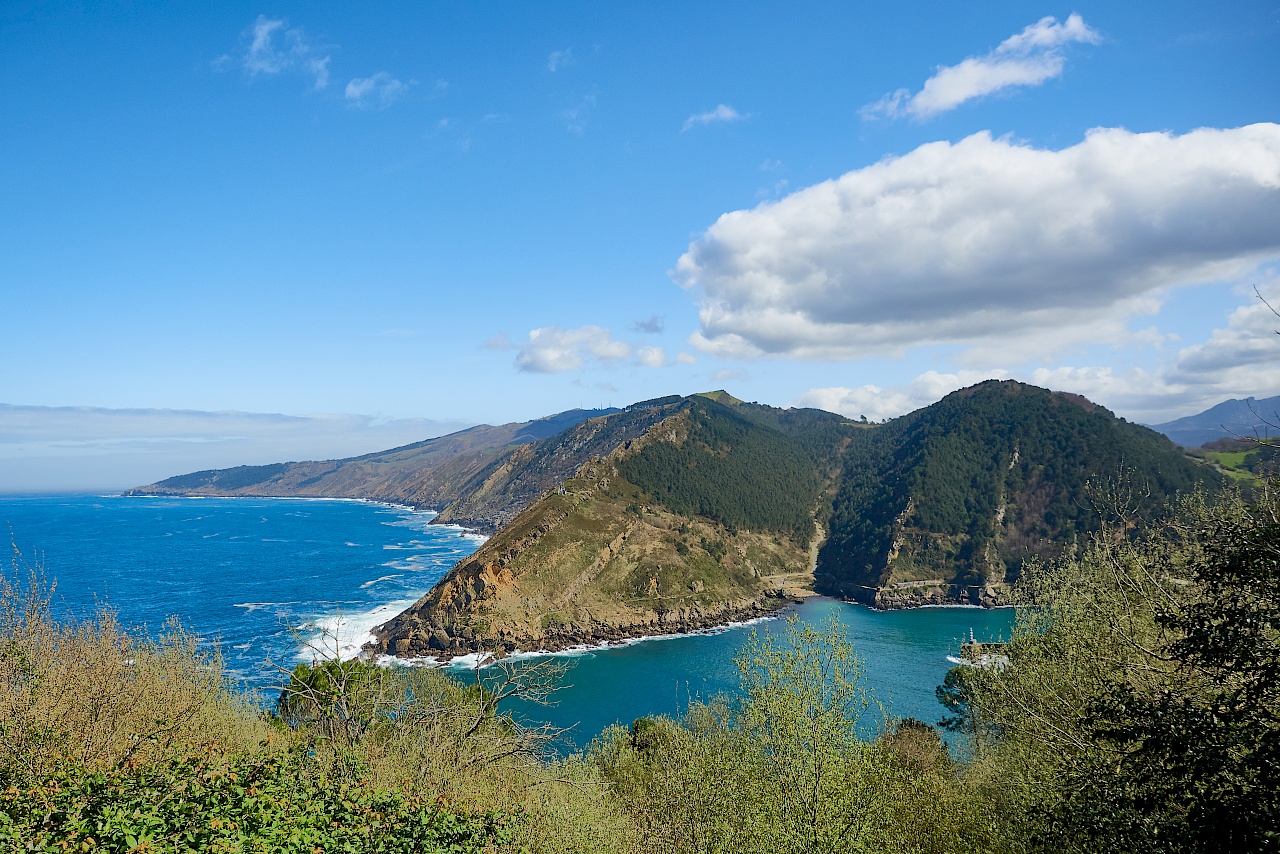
point(1136, 708)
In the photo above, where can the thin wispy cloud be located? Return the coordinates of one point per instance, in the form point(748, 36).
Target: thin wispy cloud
point(499, 341)
point(650, 326)
point(575, 118)
point(273, 47)
point(559, 59)
point(722, 113)
point(73, 448)
point(377, 92)
point(1028, 58)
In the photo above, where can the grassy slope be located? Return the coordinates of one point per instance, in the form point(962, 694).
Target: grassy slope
point(719, 520)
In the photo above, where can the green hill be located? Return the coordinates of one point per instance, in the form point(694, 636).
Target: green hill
point(945, 504)
point(704, 517)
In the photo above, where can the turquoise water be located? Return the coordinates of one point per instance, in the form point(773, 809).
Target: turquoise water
point(264, 579)
point(904, 654)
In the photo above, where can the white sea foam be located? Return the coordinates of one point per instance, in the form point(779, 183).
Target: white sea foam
point(377, 580)
point(255, 606)
point(343, 636)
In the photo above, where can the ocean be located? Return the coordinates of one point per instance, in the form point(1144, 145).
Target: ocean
point(273, 582)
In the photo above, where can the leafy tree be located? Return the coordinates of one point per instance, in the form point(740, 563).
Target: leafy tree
point(1141, 707)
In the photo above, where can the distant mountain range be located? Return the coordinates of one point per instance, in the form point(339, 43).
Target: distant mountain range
point(436, 474)
point(683, 512)
point(1231, 419)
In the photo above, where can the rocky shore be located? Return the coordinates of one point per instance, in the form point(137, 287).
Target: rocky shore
point(409, 636)
point(920, 594)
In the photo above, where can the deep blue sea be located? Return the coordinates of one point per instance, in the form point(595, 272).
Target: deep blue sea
point(269, 580)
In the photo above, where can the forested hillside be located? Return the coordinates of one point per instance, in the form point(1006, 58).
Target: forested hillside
point(948, 502)
point(749, 466)
point(703, 517)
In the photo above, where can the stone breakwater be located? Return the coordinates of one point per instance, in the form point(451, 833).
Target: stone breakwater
point(407, 636)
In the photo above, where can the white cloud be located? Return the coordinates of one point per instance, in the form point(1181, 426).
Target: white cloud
point(877, 403)
point(1028, 58)
point(46, 448)
point(651, 357)
point(274, 47)
point(987, 243)
point(685, 359)
point(559, 59)
point(380, 91)
point(1239, 360)
point(553, 349)
point(722, 113)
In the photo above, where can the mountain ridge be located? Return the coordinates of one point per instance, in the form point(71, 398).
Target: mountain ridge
point(1230, 419)
point(679, 513)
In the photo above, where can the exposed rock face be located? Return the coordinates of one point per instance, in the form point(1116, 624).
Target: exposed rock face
point(593, 561)
point(917, 594)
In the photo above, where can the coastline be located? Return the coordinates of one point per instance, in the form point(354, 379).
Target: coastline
point(443, 649)
point(483, 659)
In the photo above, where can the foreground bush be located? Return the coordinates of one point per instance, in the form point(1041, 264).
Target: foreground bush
point(785, 770)
point(1140, 709)
point(1137, 709)
point(219, 803)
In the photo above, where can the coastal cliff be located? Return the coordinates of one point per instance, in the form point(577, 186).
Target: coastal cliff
point(601, 557)
point(680, 513)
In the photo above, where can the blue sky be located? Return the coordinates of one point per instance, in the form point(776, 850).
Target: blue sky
point(493, 211)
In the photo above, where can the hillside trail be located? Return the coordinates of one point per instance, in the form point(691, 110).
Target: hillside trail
point(799, 585)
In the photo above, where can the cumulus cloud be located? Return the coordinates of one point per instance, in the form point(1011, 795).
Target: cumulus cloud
point(1028, 58)
point(877, 403)
point(987, 241)
point(78, 447)
point(722, 113)
point(685, 359)
point(554, 349)
point(379, 91)
point(273, 47)
point(651, 357)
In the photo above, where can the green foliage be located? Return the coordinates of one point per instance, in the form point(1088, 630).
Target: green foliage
point(1141, 707)
point(1001, 466)
point(1244, 459)
point(733, 470)
point(784, 769)
point(277, 802)
point(716, 548)
point(341, 698)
